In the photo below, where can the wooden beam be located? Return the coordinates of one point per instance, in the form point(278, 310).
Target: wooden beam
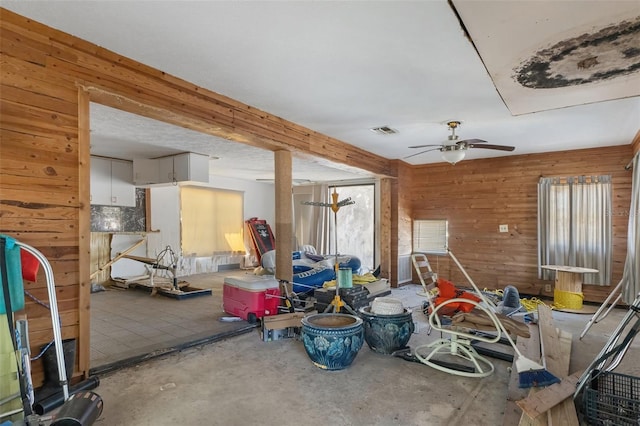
point(232, 122)
point(284, 216)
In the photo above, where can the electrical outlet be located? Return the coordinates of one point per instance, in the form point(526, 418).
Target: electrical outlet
point(547, 288)
point(504, 228)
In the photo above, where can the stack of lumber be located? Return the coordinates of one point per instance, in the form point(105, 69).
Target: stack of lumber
point(551, 405)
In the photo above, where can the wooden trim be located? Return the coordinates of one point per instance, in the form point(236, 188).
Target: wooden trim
point(84, 243)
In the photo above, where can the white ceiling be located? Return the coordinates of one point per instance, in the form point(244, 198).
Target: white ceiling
point(343, 67)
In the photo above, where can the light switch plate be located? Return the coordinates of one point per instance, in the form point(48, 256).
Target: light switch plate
point(504, 228)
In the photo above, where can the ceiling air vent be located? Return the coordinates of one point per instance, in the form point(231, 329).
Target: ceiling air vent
point(384, 130)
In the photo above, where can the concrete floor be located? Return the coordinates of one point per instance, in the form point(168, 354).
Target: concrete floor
point(243, 381)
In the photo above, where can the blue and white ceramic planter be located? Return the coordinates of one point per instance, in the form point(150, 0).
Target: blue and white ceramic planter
point(386, 334)
point(332, 340)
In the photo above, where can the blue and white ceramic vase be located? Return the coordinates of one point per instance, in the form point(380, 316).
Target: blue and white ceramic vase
point(386, 334)
point(332, 340)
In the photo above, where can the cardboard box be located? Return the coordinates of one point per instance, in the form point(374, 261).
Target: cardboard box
point(281, 326)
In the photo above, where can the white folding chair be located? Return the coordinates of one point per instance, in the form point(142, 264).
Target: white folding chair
point(458, 343)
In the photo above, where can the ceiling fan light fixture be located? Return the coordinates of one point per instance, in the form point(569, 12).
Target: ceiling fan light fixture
point(452, 156)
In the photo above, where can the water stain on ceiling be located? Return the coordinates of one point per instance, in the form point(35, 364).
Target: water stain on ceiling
point(610, 52)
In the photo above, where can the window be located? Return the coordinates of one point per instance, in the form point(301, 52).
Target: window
point(211, 221)
point(430, 236)
point(574, 225)
point(356, 223)
point(314, 224)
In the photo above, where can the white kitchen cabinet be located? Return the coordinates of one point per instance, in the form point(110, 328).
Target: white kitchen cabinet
point(111, 182)
point(191, 167)
point(165, 166)
point(173, 168)
point(145, 171)
point(184, 167)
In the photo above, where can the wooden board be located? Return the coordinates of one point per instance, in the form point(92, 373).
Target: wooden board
point(556, 352)
point(555, 346)
point(531, 349)
point(277, 322)
point(549, 397)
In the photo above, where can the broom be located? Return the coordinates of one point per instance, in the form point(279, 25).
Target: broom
point(530, 373)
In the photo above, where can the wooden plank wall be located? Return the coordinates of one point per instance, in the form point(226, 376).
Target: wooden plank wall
point(477, 196)
point(47, 80)
point(40, 176)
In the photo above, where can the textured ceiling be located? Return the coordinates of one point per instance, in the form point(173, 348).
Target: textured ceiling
point(342, 67)
point(119, 134)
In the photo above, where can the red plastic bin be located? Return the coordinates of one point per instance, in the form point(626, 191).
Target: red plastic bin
point(251, 297)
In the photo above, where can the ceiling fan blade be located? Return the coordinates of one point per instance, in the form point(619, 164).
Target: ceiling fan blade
point(498, 147)
point(422, 152)
point(422, 146)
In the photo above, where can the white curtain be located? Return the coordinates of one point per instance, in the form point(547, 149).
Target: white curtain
point(211, 221)
point(574, 225)
point(313, 223)
point(321, 220)
point(631, 275)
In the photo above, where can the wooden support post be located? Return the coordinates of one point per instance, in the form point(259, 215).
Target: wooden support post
point(385, 227)
point(84, 228)
point(284, 216)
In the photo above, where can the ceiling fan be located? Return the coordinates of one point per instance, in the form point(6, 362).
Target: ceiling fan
point(454, 150)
